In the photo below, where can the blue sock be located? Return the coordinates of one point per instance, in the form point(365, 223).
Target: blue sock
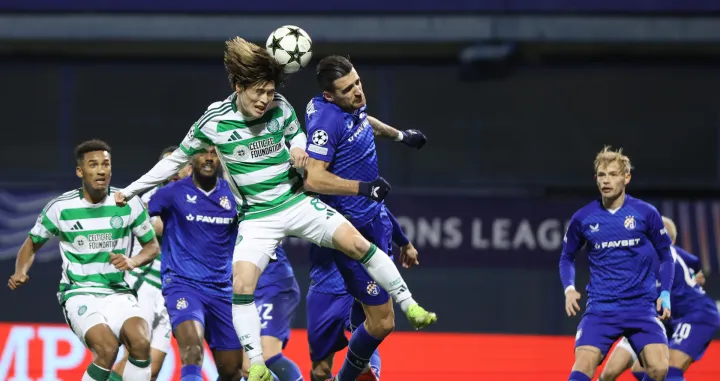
point(284, 368)
point(191, 373)
point(578, 376)
point(639, 375)
point(647, 378)
point(360, 349)
point(375, 362)
point(675, 374)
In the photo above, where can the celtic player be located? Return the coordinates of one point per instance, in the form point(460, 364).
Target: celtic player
point(250, 130)
point(95, 237)
point(145, 280)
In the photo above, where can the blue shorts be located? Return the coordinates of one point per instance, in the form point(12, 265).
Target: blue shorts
point(185, 301)
point(276, 305)
point(357, 280)
point(692, 336)
point(328, 317)
point(601, 330)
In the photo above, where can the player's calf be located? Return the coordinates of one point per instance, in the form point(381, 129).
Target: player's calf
point(655, 360)
point(322, 370)
point(135, 335)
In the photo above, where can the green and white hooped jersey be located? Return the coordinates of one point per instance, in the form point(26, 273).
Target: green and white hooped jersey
point(150, 273)
point(88, 234)
point(253, 153)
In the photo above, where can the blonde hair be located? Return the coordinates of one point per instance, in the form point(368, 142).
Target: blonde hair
point(248, 64)
point(670, 227)
point(607, 156)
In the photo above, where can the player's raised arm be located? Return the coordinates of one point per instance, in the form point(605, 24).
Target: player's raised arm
point(324, 130)
point(572, 243)
point(412, 138)
point(660, 239)
point(45, 228)
point(195, 141)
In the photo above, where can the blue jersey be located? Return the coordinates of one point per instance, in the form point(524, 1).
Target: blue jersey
point(199, 234)
point(688, 298)
point(621, 245)
point(346, 141)
point(278, 272)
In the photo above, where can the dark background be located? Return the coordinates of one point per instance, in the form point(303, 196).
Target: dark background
point(516, 98)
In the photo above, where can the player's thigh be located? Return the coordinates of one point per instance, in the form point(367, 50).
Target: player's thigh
point(83, 312)
point(183, 302)
point(126, 320)
point(595, 335)
point(101, 340)
point(229, 364)
point(315, 221)
point(358, 281)
point(621, 359)
point(655, 357)
point(254, 249)
point(327, 320)
point(689, 341)
point(647, 331)
point(276, 306)
point(219, 330)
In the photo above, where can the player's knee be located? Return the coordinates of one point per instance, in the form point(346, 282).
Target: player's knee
point(657, 369)
point(380, 326)
point(321, 370)
point(106, 353)
point(226, 373)
point(191, 354)
point(138, 347)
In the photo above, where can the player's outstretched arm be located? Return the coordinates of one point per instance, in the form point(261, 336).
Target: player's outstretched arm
point(164, 169)
point(412, 138)
point(319, 180)
point(24, 261)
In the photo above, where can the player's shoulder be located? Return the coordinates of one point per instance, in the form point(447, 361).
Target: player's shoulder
point(217, 111)
point(587, 210)
point(64, 199)
point(280, 101)
point(641, 206)
point(322, 113)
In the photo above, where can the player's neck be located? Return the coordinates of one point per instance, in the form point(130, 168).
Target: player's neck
point(94, 196)
point(205, 183)
point(614, 203)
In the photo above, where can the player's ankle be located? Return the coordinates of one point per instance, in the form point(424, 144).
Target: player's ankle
point(406, 304)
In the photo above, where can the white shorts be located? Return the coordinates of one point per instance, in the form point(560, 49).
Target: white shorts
point(625, 344)
point(83, 312)
point(310, 219)
point(152, 306)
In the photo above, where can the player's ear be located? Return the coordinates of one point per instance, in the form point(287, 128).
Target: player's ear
point(79, 171)
point(627, 178)
point(328, 97)
point(238, 87)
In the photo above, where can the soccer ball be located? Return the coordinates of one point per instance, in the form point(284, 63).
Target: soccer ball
point(290, 46)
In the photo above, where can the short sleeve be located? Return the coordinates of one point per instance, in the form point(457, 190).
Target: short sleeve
point(195, 141)
point(140, 221)
point(324, 128)
point(46, 225)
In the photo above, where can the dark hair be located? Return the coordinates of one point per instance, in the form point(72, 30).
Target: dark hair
point(248, 64)
point(90, 146)
point(167, 150)
point(331, 68)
